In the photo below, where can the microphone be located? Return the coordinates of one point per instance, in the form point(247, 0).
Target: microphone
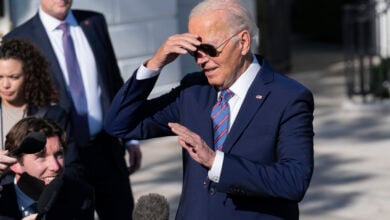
point(31, 186)
point(151, 207)
point(32, 143)
point(49, 196)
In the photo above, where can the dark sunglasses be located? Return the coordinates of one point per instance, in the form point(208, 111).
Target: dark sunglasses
point(210, 50)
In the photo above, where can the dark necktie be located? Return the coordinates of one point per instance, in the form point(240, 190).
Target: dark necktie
point(76, 88)
point(220, 116)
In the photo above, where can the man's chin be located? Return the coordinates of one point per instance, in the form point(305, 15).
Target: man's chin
point(212, 81)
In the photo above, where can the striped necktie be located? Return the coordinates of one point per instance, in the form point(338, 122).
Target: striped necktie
point(220, 116)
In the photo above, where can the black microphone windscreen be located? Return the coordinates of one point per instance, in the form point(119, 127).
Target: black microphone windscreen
point(49, 195)
point(32, 143)
point(151, 207)
point(31, 186)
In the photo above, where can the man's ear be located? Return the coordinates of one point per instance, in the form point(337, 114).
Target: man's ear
point(17, 168)
point(245, 42)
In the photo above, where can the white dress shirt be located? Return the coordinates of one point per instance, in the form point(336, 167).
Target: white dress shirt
point(239, 88)
point(86, 60)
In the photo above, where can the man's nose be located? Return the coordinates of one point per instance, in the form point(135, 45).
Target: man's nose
point(54, 164)
point(201, 57)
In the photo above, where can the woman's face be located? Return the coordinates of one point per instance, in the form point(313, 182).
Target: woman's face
point(11, 82)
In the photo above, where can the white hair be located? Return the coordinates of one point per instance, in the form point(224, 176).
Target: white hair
point(238, 17)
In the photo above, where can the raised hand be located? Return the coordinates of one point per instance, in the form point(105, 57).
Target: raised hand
point(5, 161)
point(194, 144)
point(174, 46)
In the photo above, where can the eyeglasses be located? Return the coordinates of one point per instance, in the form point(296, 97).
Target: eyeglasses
point(210, 50)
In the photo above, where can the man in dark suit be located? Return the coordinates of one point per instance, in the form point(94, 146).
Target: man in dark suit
point(101, 154)
point(248, 157)
point(36, 168)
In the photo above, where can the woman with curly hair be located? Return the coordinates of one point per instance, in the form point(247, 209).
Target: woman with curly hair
point(26, 90)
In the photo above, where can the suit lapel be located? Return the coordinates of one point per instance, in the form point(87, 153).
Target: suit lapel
point(43, 42)
point(206, 134)
point(255, 97)
point(199, 109)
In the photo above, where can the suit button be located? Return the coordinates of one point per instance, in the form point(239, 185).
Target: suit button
point(206, 182)
point(212, 191)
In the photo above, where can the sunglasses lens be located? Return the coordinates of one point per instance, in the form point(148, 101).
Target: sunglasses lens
point(208, 49)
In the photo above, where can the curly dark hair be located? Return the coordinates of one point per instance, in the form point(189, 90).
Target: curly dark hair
point(38, 89)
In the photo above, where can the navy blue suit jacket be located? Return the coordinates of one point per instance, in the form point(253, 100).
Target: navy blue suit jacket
point(268, 160)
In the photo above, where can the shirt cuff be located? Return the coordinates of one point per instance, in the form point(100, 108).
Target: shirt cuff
point(130, 143)
point(215, 172)
point(145, 73)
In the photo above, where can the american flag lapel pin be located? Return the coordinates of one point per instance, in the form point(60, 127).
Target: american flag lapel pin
point(86, 22)
point(259, 97)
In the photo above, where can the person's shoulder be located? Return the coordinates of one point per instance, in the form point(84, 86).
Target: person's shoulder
point(54, 109)
point(87, 14)
point(282, 82)
point(22, 30)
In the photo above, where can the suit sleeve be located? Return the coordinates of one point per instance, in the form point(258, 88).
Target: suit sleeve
point(289, 176)
point(133, 116)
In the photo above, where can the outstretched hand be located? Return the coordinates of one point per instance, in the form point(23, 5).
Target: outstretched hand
point(172, 48)
point(194, 144)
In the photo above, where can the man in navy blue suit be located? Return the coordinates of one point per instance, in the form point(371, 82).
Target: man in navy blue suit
point(254, 163)
point(101, 154)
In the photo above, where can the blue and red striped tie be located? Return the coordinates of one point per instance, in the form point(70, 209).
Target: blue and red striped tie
point(220, 116)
